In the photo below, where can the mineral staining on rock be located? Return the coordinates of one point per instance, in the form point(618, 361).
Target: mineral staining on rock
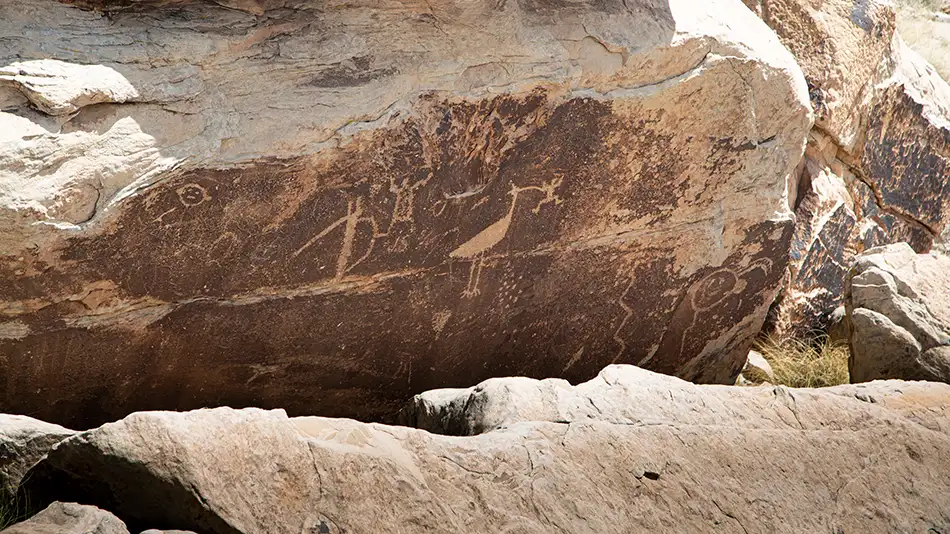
point(873, 172)
point(304, 211)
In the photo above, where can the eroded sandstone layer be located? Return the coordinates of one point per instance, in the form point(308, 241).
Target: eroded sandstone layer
point(329, 209)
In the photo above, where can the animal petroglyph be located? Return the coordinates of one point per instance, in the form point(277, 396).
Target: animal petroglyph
point(476, 248)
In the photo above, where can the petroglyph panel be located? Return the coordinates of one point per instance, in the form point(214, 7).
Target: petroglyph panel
point(622, 199)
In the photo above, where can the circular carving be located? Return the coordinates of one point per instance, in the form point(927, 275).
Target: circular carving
point(192, 195)
point(713, 289)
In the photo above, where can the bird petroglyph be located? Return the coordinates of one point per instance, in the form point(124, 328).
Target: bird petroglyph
point(477, 247)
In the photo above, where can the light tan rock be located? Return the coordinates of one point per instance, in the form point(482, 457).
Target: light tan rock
point(627, 395)
point(925, 25)
point(362, 203)
point(631, 451)
point(23, 442)
point(898, 305)
point(69, 518)
point(757, 366)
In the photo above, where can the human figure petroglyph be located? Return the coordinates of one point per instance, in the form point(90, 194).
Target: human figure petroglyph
point(350, 221)
point(192, 195)
point(477, 247)
point(701, 300)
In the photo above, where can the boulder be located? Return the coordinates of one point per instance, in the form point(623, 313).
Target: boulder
point(898, 305)
point(631, 451)
point(627, 395)
point(874, 171)
point(757, 368)
point(69, 518)
point(269, 203)
point(838, 326)
point(23, 442)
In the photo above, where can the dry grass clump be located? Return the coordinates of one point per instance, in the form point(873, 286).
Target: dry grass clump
point(13, 509)
point(926, 32)
point(804, 364)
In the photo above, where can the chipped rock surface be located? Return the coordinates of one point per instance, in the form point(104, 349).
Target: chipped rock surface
point(270, 203)
point(23, 442)
point(69, 518)
point(875, 170)
point(898, 314)
point(631, 451)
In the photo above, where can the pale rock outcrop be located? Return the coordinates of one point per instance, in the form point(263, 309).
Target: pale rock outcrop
point(632, 451)
point(627, 395)
point(898, 305)
point(24, 441)
point(757, 367)
point(69, 518)
point(329, 210)
point(874, 171)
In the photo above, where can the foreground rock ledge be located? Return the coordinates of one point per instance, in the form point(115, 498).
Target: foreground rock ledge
point(868, 458)
point(329, 210)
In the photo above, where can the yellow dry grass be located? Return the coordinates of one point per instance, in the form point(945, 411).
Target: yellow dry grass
point(804, 363)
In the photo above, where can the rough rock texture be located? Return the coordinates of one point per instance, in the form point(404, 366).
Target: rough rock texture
point(757, 368)
point(69, 518)
point(627, 395)
point(333, 209)
point(898, 313)
point(875, 170)
point(632, 452)
point(23, 442)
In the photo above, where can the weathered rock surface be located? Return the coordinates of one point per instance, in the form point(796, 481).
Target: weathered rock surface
point(898, 305)
point(875, 170)
point(69, 518)
point(23, 442)
point(654, 454)
point(627, 395)
point(757, 368)
point(329, 210)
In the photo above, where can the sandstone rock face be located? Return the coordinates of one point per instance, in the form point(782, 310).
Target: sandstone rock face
point(70, 518)
point(274, 204)
point(874, 170)
point(634, 451)
point(898, 305)
point(23, 442)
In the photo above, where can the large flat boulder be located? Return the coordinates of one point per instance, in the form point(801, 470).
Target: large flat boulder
point(330, 210)
point(23, 442)
point(898, 313)
point(874, 171)
point(688, 458)
point(627, 395)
